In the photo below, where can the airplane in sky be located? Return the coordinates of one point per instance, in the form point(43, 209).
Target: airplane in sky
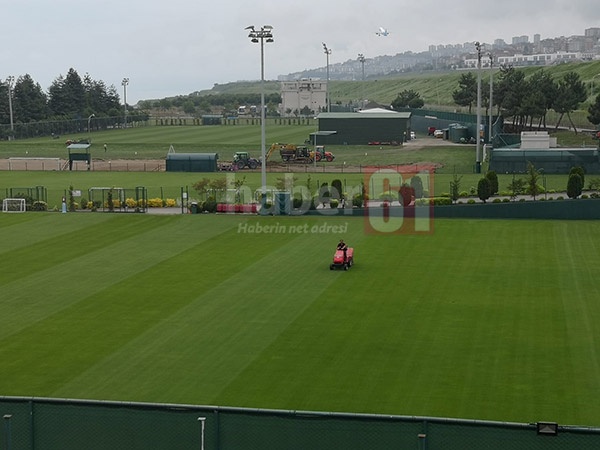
point(382, 32)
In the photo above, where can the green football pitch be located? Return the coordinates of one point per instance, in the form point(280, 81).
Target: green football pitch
point(495, 320)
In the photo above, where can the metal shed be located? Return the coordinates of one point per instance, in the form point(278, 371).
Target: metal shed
point(363, 128)
point(192, 162)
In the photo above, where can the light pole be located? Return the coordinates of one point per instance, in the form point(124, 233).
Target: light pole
point(89, 122)
point(478, 145)
point(491, 96)
point(125, 82)
point(327, 52)
point(10, 80)
point(361, 60)
point(265, 34)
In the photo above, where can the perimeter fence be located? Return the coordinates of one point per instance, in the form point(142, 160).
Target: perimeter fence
point(41, 423)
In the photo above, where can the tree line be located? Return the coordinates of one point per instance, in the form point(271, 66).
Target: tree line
point(68, 103)
point(525, 100)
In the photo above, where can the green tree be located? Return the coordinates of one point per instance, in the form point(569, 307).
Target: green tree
point(574, 185)
point(509, 92)
point(570, 93)
point(29, 100)
point(408, 99)
point(580, 171)
point(516, 187)
point(533, 175)
point(466, 94)
point(493, 177)
point(417, 184)
point(484, 190)
point(594, 111)
point(455, 187)
point(544, 85)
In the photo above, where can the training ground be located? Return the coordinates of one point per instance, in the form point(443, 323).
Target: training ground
point(483, 319)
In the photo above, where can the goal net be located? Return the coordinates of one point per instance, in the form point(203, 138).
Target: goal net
point(13, 205)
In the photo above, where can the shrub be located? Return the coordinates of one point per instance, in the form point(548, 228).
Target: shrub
point(463, 194)
point(470, 201)
point(39, 206)
point(130, 203)
point(333, 203)
point(357, 200)
point(155, 202)
point(585, 196)
point(209, 205)
point(170, 203)
point(506, 200)
point(440, 201)
point(496, 200)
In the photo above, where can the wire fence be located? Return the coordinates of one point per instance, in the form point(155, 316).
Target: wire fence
point(39, 423)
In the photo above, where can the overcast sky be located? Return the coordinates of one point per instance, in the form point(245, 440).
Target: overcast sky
point(175, 47)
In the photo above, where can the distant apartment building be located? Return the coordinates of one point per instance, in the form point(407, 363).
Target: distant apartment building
point(303, 96)
point(542, 59)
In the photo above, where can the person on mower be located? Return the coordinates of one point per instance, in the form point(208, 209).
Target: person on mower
point(342, 246)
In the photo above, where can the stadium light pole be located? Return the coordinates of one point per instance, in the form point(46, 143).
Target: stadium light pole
point(361, 60)
point(327, 52)
point(125, 82)
point(10, 80)
point(89, 122)
point(491, 96)
point(265, 34)
point(477, 137)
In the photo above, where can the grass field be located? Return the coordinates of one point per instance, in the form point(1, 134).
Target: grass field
point(483, 319)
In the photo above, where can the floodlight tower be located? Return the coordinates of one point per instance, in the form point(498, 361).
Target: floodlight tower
point(361, 60)
point(10, 80)
point(265, 34)
point(491, 96)
point(327, 52)
point(125, 82)
point(477, 134)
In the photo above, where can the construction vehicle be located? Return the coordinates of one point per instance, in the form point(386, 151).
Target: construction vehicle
point(300, 153)
point(241, 160)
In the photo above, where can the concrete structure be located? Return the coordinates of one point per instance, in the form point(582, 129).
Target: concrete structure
point(307, 95)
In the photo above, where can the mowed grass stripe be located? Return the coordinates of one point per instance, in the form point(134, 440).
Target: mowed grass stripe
point(68, 342)
point(125, 247)
point(457, 327)
point(195, 353)
point(63, 241)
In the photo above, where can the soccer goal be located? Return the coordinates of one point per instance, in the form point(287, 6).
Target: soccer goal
point(13, 205)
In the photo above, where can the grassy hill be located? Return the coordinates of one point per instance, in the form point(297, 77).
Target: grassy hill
point(434, 87)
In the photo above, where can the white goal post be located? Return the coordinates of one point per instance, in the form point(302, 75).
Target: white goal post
point(13, 205)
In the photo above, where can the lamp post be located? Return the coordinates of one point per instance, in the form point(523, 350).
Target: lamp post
point(477, 137)
point(265, 34)
point(327, 52)
point(491, 96)
point(89, 121)
point(361, 60)
point(125, 82)
point(10, 80)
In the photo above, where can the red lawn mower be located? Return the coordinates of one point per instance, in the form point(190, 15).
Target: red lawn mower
point(342, 259)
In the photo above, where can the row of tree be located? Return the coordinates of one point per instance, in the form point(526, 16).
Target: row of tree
point(68, 97)
point(528, 100)
point(525, 100)
point(194, 104)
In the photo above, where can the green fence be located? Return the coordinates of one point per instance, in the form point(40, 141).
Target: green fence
point(39, 423)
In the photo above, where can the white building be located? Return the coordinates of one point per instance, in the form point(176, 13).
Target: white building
point(300, 95)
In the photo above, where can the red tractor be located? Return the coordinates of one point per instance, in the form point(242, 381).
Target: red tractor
point(342, 259)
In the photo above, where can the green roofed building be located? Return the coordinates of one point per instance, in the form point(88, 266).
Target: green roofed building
point(366, 127)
